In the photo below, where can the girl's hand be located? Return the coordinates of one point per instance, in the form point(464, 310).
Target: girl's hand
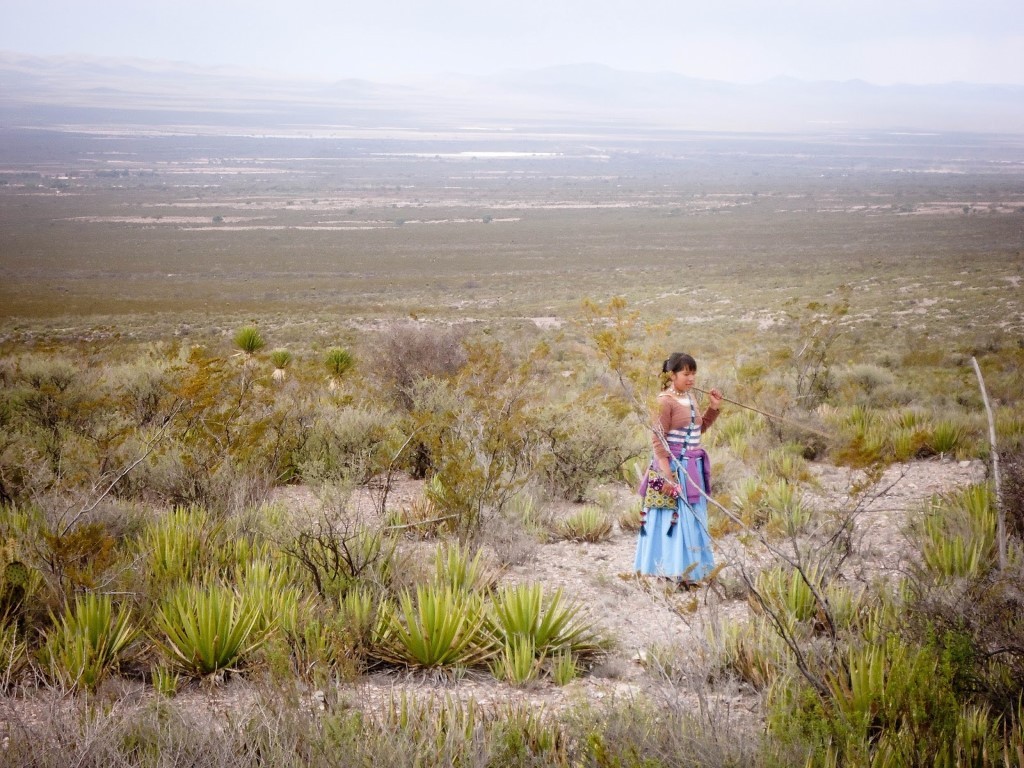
point(715, 399)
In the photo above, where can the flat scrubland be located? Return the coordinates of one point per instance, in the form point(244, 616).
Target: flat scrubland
point(373, 405)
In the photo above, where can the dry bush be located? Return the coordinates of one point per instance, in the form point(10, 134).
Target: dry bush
point(404, 353)
point(1013, 491)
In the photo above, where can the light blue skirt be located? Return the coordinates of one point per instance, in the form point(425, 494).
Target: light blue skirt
point(686, 554)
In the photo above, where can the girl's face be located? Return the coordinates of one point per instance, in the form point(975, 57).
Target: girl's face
point(683, 380)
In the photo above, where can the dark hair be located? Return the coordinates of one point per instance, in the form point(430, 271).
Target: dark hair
point(679, 361)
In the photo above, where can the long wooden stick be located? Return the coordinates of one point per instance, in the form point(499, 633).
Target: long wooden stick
point(769, 415)
point(1000, 523)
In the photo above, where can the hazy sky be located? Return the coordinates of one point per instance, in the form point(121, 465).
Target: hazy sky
point(881, 41)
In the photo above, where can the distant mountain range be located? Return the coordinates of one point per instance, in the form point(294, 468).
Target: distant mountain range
point(81, 91)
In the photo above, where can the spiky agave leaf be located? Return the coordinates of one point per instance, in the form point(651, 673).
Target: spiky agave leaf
point(208, 629)
point(442, 627)
point(87, 641)
point(521, 611)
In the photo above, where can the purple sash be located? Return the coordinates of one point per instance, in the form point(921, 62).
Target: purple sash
point(690, 477)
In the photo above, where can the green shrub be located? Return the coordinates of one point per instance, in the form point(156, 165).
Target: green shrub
point(583, 446)
point(338, 556)
point(348, 444)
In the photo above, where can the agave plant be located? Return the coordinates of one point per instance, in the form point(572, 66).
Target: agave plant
point(958, 533)
point(207, 629)
point(273, 592)
point(454, 567)
point(178, 546)
point(563, 667)
point(787, 592)
point(588, 524)
point(87, 642)
point(521, 611)
point(442, 627)
point(13, 656)
point(787, 512)
point(517, 662)
point(357, 616)
point(947, 436)
point(752, 651)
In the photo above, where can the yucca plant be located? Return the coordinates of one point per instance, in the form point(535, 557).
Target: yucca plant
point(357, 616)
point(208, 629)
point(435, 731)
point(958, 533)
point(521, 611)
point(589, 524)
point(629, 519)
point(735, 431)
point(748, 499)
point(886, 687)
point(249, 339)
point(525, 508)
point(272, 590)
point(908, 442)
point(953, 556)
point(442, 627)
point(87, 642)
point(315, 647)
point(422, 517)
point(338, 362)
point(783, 463)
point(846, 606)
point(165, 681)
point(281, 359)
point(236, 554)
point(17, 583)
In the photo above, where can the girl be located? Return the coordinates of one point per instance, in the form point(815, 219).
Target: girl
point(673, 541)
